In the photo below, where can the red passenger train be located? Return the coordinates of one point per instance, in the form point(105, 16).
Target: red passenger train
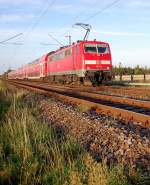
point(84, 60)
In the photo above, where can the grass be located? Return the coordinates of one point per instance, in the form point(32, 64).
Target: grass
point(32, 152)
point(4, 102)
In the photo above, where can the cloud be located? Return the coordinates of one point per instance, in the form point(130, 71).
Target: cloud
point(20, 2)
point(119, 33)
point(15, 1)
point(9, 18)
point(139, 3)
point(62, 6)
point(135, 56)
point(89, 2)
point(15, 18)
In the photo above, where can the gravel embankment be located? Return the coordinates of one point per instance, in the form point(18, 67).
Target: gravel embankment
point(102, 136)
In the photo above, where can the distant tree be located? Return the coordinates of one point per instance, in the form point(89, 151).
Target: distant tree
point(120, 70)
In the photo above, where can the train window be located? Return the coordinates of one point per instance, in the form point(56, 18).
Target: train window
point(61, 55)
point(55, 57)
point(50, 58)
point(68, 52)
point(77, 49)
point(90, 48)
point(58, 56)
point(102, 48)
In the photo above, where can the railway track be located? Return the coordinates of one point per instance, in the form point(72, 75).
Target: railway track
point(128, 109)
point(118, 91)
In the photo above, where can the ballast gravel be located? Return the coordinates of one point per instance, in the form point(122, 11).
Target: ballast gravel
point(104, 137)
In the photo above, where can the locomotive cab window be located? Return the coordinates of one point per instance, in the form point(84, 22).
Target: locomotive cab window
point(102, 48)
point(90, 48)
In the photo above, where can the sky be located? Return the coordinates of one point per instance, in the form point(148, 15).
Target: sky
point(125, 26)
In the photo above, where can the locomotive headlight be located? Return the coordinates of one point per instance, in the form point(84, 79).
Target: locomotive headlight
point(105, 61)
point(90, 61)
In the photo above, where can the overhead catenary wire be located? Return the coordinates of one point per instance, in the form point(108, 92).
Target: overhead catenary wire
point(40, 16)
point(94, 14)
point(47, 44)
point(29, 29)
point(12, 43)
point(17, 35)
point(55, 39)
point(41, 13)
point(47, 8)
point(89, 17)
point(32, 26)
point(101, 11)
point(74, 18)
point(1, 42)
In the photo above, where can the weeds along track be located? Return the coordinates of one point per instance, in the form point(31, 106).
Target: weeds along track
point(122, 108)
point(142, 93)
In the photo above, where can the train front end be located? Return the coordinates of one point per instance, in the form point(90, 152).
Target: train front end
point(97, 61)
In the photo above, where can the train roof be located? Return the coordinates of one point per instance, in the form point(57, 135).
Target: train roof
point(44, 57)
point(91, 41)
point(75, 43)
point(34, 62)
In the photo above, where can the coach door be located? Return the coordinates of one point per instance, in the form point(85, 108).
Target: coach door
point(41, 70)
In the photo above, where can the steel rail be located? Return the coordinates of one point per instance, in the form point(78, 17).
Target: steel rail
point(96, 96)
point(97, 90)
point(142, 119)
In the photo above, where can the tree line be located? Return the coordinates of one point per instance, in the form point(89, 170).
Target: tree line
point(130, 70)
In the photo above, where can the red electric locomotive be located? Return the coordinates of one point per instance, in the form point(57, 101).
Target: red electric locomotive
point(84, 60)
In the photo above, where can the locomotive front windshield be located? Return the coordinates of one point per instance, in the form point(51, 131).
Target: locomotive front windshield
point(90, 48)
point(102, 48)
point(99, 48)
